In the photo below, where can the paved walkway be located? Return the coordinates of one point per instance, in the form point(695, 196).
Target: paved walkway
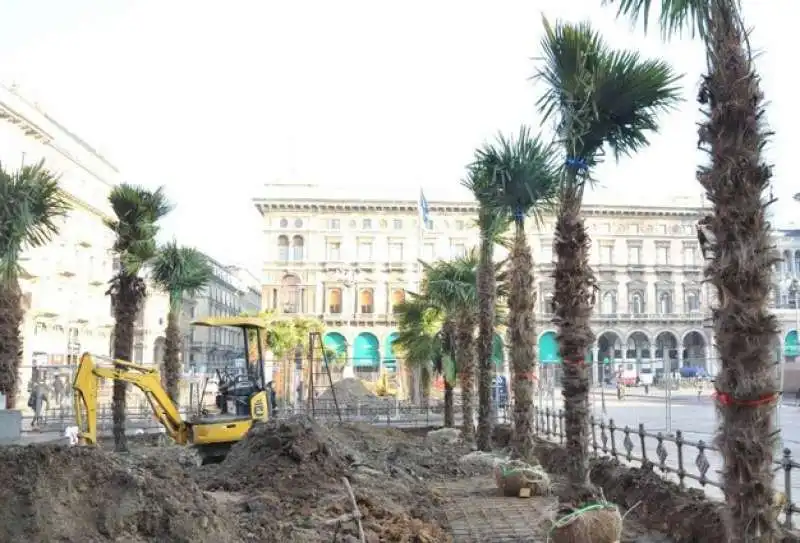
point(478, 514)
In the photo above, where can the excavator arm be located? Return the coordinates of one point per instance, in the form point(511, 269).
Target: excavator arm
point(86, 386)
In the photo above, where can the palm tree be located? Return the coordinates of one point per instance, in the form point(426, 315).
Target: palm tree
point(30, 206)
point(419, 339)
point(491, 226)
point(137, 212)
point(451, 287)
point(739, 255)
point(521, 175)
point(178, 271)
point(597, 97)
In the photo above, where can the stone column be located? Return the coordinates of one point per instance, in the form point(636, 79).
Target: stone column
point(319, 298)
point(347, 371)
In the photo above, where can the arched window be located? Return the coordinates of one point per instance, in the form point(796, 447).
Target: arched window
point(398, 297)
point(366, 299)
point(335, 301)
point(609, 303)
point(283, 248)
point(665, 303)
point(637, 303)
point(290, 294)
point(298, 246)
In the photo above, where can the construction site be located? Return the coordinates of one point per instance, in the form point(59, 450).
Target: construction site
point(299, 478)
point(239, 468)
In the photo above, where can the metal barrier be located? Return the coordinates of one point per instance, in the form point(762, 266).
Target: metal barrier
point(633, 448)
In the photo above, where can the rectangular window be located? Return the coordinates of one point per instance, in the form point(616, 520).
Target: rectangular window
point(606, 254)
point(662, 255)
point(366, 224)
point(428, 252)
point(634, 256)
point(689, 256)
point(458, 250)
point(334, 251)
point(397, 224)
point(334, 224)
point(365, 250)
point(547, 252)
point(395, 251)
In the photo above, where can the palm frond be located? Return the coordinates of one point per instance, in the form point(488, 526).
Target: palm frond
point(180, 270)
point(674, 16)
point(30, 205)
point(600, 96)
point(516, 176)
point(137, 211)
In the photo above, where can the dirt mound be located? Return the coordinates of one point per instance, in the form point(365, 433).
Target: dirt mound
point(286, 454)
point(684, 514)
point(395, 451)
point(53, 493)
point(349, 393)
point(285, 482)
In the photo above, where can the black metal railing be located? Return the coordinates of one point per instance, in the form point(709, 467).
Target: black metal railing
point(689, 462)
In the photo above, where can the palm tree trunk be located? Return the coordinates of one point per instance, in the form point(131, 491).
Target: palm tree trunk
point(11, 317)
point(425, 385)
point(172, 361)
point(486, 316)
point(449, 411)
point(573, 298)
point(465, 345)
point(126, 307)
point(522, 340)
point(740, 271)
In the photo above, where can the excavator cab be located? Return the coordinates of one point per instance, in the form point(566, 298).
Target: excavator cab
point(242, 393)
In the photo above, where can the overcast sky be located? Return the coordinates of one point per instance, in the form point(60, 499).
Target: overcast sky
point(213, 99)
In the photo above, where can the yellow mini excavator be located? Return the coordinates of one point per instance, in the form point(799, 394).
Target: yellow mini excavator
point(241, 399)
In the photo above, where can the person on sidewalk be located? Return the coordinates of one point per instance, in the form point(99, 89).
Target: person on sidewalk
point(39, 397)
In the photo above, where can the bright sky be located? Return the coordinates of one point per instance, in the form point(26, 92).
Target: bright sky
point(214, 99)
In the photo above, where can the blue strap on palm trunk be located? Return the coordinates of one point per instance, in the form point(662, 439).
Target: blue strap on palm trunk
point(577, 163)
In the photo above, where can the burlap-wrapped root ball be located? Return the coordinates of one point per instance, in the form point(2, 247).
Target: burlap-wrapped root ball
point(595, 523)
point(516, 478)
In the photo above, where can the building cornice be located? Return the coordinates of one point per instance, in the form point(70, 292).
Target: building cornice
point(77, 202)
point(308, 205)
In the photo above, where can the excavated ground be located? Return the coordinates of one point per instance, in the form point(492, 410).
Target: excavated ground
point(284, 483)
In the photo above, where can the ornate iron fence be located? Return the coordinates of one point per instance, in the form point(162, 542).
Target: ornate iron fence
point(694, 464)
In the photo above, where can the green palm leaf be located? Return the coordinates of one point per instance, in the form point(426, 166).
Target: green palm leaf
point(517, 176)
point(600, 96)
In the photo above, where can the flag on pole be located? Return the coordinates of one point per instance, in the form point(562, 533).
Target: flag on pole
point(424, 215)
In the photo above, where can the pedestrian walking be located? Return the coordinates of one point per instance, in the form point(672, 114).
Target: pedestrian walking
point(38, 399)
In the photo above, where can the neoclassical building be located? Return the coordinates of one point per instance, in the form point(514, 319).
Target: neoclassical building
point(348, 258)
point(786, 291)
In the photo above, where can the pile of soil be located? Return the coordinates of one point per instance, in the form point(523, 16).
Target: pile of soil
point(350, 392)
point(285, 481)
point(54, 493)
point(686, 515)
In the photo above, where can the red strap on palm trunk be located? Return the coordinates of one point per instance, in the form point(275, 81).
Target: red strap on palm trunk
point(728, 399)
